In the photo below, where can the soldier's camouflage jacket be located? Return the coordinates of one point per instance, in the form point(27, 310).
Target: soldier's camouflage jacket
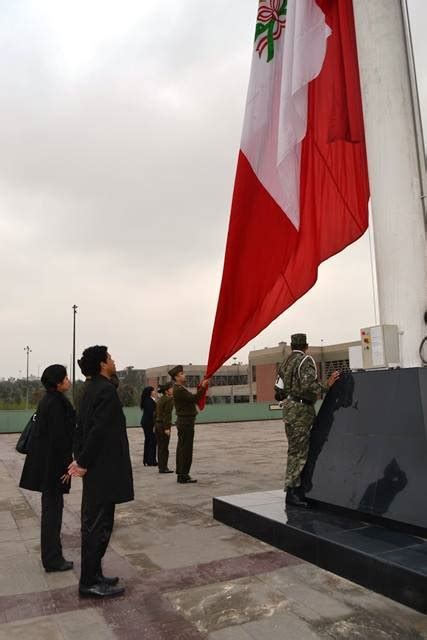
point(298, 376)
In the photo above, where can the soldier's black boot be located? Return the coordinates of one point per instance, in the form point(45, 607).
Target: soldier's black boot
point(294, 499)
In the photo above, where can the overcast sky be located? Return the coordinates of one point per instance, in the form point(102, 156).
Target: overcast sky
point(120, 127)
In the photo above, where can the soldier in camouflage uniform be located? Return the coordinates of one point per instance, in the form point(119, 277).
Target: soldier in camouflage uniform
point(297, 385)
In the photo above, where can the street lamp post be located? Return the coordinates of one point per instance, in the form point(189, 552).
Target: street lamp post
point(74, 348)
point(322, 362)
point(28, 351)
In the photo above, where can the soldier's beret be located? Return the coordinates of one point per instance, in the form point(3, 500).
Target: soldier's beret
point(175, 370)
point(299, 340)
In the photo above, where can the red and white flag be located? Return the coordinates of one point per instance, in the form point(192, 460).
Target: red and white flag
point(301, 191)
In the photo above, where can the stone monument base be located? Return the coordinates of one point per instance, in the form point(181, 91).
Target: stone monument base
point(386, 561)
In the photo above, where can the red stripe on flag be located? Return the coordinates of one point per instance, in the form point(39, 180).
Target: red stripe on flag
point(260, 242)
point(268, 264)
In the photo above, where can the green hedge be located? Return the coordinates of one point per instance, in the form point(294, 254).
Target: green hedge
point(13, 421)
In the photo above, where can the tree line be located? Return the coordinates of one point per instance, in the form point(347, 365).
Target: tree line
point(13, 392)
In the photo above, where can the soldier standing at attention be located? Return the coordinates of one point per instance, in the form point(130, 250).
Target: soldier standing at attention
point(298, 386)
point(163, 425)
point(186, 411)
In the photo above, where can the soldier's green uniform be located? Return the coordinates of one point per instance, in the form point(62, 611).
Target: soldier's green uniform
point(185, 404)
point(163, 423)
point(300, 390)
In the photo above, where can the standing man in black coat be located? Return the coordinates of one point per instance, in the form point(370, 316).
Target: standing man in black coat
point(103, 461)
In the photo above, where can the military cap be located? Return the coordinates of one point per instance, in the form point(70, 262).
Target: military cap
point(299, 340)
point(164, 387)
point(175, 370)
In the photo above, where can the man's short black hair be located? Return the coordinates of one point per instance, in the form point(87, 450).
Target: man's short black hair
point(90, 362)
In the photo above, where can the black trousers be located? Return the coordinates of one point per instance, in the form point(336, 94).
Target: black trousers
point(162, 447)
point(51, 523)
point(150, 445)
point(184, 447)
point(97, 526)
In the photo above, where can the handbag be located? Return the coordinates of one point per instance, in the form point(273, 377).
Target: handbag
point(24, 441)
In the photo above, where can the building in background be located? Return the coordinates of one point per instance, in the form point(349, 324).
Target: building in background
point(264, 364)
point(130, 375)
point(238, 382)
point(229, 385)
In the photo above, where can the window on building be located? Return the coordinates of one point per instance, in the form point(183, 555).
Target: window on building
point(220, 399)
point(336, 365)
point(253, 373)
point(223, 380)
point(192, 380)
point(240, 399)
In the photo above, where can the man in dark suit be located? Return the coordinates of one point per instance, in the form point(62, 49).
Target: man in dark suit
point(103, 460)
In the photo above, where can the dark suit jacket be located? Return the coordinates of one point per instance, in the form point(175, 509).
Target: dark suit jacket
point(51, 446)
point(103, 444)
point(149, 410)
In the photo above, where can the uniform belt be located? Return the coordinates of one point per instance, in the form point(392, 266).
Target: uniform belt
point(301, 400)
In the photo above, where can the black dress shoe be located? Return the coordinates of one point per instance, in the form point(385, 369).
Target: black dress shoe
point(185, 479)
point(101, 590)
point(107, 580)
point(65, 565)
point(294, 499)
point(165, 471)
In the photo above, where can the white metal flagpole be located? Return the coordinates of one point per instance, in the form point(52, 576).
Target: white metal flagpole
point(395, 175)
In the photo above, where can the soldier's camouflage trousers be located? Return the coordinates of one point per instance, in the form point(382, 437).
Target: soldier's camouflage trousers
point(298, 419)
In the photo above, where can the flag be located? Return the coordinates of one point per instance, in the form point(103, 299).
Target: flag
point(301, 190)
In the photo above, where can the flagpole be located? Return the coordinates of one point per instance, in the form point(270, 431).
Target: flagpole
point(395, 173)
point(416, 109)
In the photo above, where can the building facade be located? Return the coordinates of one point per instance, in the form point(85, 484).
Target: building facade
point(238, 382)
point(229, 384)
point(264, 364)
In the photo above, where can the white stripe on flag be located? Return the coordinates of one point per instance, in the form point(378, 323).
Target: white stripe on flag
point(276, 109)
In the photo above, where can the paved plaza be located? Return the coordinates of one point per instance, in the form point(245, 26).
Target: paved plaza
point(187, 576)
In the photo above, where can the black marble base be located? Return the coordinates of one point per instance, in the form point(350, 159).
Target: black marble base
point(388, 562)
point(368, 447)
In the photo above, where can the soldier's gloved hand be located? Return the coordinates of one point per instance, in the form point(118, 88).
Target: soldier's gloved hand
point(332, 379)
